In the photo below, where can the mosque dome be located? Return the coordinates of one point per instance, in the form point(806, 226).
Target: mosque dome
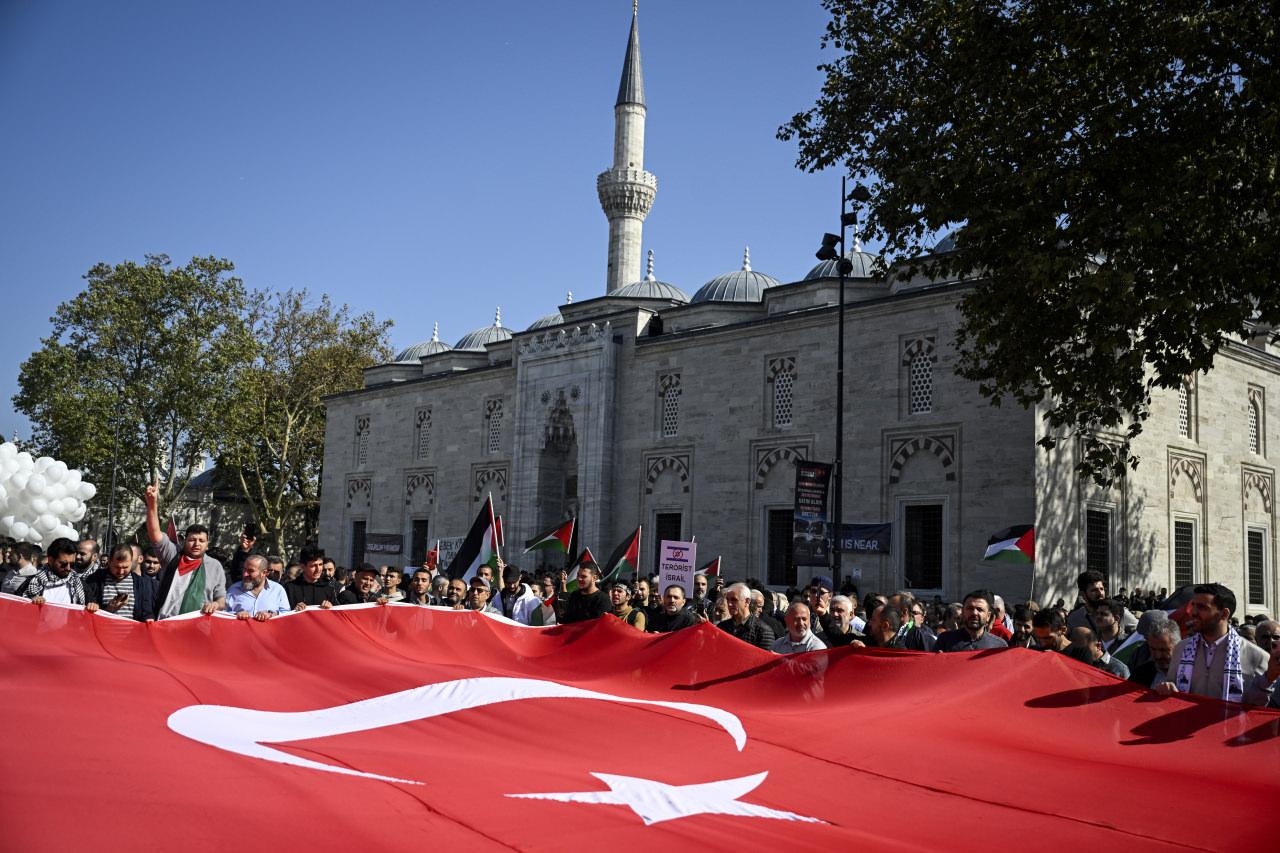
point(650, 288)
point(744, 285)
point(863, 262)
point(946, 244)
point(554, 319)
point(476, 341)
point(423, 348)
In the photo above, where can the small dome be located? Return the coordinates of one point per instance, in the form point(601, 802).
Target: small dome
point(431, 347)
point(946, 244)
point(744, 285)
point(651, 288)
point(543, 322)
point(862, 266)
point(476, 341)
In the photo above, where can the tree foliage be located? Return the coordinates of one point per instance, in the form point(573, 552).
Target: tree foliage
point(272, 441)
point(1113, 165)
point(142, 348)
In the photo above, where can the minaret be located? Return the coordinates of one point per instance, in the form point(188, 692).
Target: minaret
point(627, 190)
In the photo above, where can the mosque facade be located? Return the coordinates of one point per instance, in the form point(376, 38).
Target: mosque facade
point(687, 415)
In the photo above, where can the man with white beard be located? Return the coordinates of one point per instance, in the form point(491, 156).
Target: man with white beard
point(255, 596)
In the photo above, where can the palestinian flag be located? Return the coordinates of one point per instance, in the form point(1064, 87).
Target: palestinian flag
point(624, 560)
point(556, 538)
point(545, 614)
point(480, 548)
point(171, 530)
point(585, 557)
point(712, 569)
point(497, 525)
point(1014, 545)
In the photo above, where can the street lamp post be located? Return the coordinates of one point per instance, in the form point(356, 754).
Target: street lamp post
point(843, 267)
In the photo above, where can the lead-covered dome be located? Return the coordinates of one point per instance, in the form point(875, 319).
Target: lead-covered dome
point(424, 348)
point(744, 285)
point(863, 264)
point(476, 341)
point(551, 319)
point(650, 288)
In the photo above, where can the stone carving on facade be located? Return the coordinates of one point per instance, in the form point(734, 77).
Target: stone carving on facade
point(415, 481)
point(677, 463)
point(359, 491)
point(919, 345)
point(559, 340)
point(1262, 482)
point(489, 480)
point(767, 457)
point(1191, 468)
point(560, 433)
point(782, 364)
point(941, 446)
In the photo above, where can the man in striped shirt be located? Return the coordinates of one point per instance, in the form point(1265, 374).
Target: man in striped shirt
point(110, 588)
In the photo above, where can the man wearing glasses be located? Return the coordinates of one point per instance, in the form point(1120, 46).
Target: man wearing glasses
point(56, 582)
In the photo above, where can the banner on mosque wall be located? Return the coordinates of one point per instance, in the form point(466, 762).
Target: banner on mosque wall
point(810, 544)
point(866, 538)
point(387, 544)
point(381, 719)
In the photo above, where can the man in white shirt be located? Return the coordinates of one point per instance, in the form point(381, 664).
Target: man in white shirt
point(798, 637)
point(255, 596)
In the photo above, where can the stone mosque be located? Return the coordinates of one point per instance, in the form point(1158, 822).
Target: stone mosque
point(686, 414)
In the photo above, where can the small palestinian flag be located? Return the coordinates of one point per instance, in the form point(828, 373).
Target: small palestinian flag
point(480, 548)
point(712, 569)
point(545, 614)
point(556, 538)
point(585, 557)
point(624, 560)
point(1014, 545)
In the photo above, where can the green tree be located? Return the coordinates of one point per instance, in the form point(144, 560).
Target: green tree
point(145, 348)
point(1113, 165)
point(273, 440)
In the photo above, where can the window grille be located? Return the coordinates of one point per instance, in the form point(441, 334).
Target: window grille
point(493, 441)
point(783, 386)
point(669, 390)
point(1097, 542)
point(1184, 553)
point(921, 384)
point(922, 546)
point(1256, 568)
point(422, 443)
point(1255, 433)
point(362, 440)
point(1184, 410)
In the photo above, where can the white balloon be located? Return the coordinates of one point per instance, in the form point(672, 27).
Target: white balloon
point(36, 485)
point(19, 529)
point(19, 482)
point(39, 506)
point(55, 491)
point(73, 479)
point(34, 536)
point(57, 471)
point(25, 462)
point(77, 513)
point(43, 463)
point(4, 493)
point(46, 523)
point(65, 531)
point(87, 491)
point(57, 508)
point(8, 450)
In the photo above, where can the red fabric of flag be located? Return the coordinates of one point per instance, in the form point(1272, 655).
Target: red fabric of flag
point(397, 726)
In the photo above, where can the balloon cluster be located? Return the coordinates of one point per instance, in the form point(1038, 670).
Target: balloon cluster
point(40, 499)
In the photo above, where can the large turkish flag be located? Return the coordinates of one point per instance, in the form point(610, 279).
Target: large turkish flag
point(397, 727)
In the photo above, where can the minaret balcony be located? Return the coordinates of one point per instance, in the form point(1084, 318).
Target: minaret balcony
point(626, 192)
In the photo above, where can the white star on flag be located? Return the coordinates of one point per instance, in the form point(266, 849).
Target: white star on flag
point(657, 801)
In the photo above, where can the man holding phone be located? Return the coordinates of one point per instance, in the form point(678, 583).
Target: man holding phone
point(115, 589)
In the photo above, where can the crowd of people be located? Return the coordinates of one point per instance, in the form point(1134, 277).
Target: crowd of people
point(1202, 648)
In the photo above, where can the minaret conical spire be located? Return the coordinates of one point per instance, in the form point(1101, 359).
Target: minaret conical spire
point(631, 86)
point(626, 190)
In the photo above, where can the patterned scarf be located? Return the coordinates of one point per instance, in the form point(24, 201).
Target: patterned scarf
point(1232, 677)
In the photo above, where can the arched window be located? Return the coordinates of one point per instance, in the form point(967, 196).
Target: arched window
point(782, 376)
point(493, 426)
point(422, 437)
point(362, 440)
point(669, 398)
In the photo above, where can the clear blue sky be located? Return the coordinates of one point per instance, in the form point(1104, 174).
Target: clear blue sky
point(421, 160)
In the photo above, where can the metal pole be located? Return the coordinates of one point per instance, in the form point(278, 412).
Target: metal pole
point(838, 472)
point(111, 498)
